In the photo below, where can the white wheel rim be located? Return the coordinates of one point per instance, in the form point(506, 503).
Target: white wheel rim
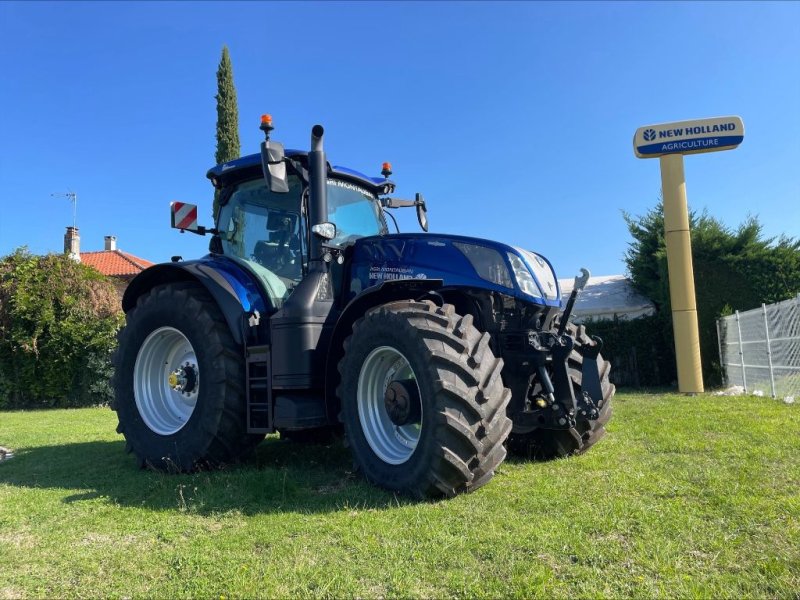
point(393, 444)
point(166, 403)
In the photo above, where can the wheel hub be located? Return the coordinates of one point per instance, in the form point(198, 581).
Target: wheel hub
point(389, 406)
point(166, 380)
point(401, 400)
point(184, 379)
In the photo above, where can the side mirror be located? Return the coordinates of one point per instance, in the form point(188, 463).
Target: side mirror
point(422, 212)
point(183, 216)
point(274, 167)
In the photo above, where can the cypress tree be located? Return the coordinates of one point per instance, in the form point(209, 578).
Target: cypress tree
point(227, 117)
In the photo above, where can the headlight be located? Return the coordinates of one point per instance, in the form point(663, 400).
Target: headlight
point(523, 276)
point(544, 273)
point(487, 262)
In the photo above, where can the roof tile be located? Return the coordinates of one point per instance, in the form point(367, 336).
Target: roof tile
point(115, 262)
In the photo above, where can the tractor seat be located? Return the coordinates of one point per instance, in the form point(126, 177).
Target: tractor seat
point(266, 253)
point(278, 258)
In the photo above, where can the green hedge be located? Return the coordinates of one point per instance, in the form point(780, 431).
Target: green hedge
point(640, 350)
point(58, 324)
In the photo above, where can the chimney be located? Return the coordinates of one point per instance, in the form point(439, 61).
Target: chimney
point(72, 244)
point(111, 242)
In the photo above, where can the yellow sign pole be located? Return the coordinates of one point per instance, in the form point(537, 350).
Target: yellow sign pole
point(681, 274)
point(669, 142)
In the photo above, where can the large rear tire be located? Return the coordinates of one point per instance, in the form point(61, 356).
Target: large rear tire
point(423, 402)
point(547, 444)
point(178, 382)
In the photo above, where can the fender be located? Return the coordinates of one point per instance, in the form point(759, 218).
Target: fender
point(236, 293)
point(400, 289)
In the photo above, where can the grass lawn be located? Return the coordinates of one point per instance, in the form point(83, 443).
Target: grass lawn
point(686, 496)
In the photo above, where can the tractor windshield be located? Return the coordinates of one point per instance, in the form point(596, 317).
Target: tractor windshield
point(268, 232)
point(354, 210)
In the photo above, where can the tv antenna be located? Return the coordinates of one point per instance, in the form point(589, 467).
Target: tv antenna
point(73, 197)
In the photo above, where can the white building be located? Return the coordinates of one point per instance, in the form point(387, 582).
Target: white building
point(606, 297)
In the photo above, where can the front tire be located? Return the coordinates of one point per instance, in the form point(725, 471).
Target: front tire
point(423, 402)
point(178, 382)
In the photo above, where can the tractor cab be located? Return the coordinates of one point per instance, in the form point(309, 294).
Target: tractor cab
point(264, 225)
point(267, 232)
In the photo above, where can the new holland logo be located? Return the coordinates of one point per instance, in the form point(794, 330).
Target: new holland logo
point(649, 135)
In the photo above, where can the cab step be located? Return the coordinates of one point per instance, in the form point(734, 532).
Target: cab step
point(259, 389)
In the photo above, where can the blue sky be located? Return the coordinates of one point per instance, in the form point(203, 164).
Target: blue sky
point(514, 119)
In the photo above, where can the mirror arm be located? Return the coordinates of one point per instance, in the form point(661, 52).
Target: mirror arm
point(397, 203)
point(202, 230)
point(418, 203)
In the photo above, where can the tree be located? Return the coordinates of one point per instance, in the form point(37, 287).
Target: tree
point(58, 324)
point(227, 117)
point(736, 269)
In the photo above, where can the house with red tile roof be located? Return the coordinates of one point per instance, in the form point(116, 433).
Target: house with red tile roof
point(111, 261)
point(114, 262)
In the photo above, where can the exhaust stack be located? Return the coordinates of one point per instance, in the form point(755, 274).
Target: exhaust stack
point(318, 189)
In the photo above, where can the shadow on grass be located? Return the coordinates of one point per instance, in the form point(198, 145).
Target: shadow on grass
point(282, 477)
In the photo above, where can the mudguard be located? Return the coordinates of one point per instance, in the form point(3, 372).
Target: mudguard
point(234, 290)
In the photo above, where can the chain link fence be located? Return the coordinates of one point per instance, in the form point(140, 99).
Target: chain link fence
point(759, 349)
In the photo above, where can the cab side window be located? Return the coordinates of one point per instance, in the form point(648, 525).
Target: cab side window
point(264, 230)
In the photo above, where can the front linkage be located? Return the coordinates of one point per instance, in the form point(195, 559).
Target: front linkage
point(556, 406)
point(557, 401)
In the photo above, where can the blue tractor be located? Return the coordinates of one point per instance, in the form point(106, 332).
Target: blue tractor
point(434, 354)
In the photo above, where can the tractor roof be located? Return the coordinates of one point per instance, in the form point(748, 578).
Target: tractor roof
point(254, 160)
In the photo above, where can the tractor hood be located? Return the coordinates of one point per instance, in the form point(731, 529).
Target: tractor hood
point(457, 260)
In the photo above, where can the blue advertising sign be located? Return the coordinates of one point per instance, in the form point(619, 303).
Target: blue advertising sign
point(688, 137)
